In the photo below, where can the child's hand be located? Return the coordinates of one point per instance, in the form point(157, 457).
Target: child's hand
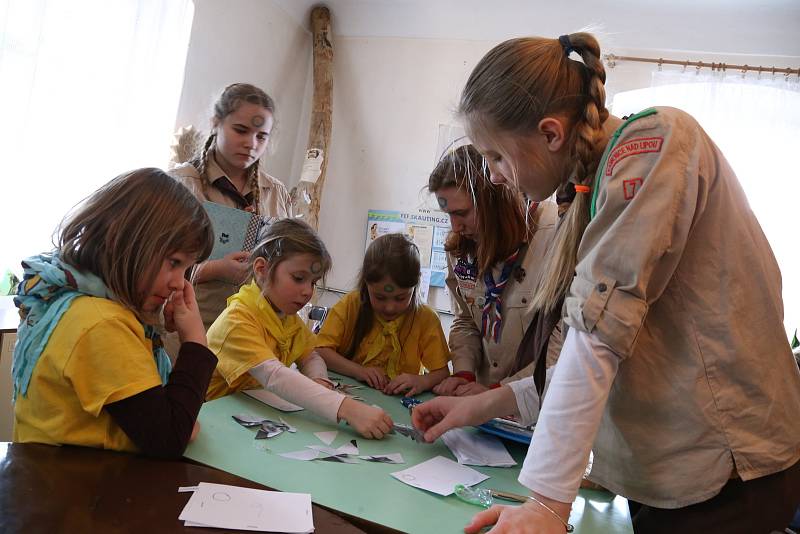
point(182, 313)
point(449, 385)
point(470, 388)
point(406, 383)
point(375, 377)
point(234, 267)
point(369, 421)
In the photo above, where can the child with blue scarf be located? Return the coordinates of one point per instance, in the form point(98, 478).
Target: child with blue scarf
point(89, 368)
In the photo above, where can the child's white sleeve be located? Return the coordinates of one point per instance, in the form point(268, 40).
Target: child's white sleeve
point(313, 366)
point(298, 389)
point(570, 417)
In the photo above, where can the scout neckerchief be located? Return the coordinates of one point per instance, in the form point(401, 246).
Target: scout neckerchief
point(47, 289)
point(388, 330)
point(287, 332)
point(492, 313)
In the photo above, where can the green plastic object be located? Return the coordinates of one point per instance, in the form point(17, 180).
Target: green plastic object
point(477, 496)
point(8, 284)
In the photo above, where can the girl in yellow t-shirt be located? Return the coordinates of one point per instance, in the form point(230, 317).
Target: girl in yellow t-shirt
point(380, 334)
point(259, 335)
point(89, 368)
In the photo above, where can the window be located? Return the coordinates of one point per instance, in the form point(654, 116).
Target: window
point(756, 123)
point(88, 90)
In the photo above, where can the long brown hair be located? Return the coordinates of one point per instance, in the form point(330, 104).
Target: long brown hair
point(228, 102)
point(517, 84)
point(123, 232)
point(500, 211)
point(392, 255)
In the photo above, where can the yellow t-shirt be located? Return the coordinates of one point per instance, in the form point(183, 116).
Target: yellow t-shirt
point(97, 354)
point(241, 340)
point(420, 333)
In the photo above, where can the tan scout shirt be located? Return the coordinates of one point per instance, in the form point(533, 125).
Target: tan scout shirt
point(274, 201)
point(492, 362)
point(675, 275)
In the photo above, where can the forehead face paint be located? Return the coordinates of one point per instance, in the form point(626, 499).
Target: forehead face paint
point(316, 267)
point(389, 288)
point(442, 202)
point(257, 121)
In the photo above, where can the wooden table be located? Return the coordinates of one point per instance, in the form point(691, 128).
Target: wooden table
point(75, 489)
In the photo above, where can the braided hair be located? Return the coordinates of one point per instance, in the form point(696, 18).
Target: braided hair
point(228, 102)
point(517, 84)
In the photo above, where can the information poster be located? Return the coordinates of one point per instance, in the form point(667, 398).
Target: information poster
point(428, 229)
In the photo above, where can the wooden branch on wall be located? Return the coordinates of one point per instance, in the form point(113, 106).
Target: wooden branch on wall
point(319, 134)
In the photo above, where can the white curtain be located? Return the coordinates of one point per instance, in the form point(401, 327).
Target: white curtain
point(755, 120)
point(88, 89)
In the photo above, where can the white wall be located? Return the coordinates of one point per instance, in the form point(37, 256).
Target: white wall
point(252, 41)
point(390, 95)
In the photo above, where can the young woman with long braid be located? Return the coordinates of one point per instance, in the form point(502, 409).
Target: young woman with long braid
point(675, 369)
point(227, 171)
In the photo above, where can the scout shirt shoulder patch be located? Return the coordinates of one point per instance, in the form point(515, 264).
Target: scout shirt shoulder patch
point(630, 186)
point(639, 145)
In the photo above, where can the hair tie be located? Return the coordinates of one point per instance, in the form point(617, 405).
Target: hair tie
point(566, 44)
point(582, 189)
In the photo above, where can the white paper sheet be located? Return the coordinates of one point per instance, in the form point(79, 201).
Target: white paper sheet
point(270, 399)
point(439, 475)
point(326, 437)
point(472, 448)
point(223, 506)
point(306, 455)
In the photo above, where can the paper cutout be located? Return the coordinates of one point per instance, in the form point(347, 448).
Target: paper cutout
point(395, 458)
point(231, 507)
point(439, 475)
point(248, 420)
point(271, 399)
point(326, 437)
point(471, 448)
point(409, 432)
point(305, 455)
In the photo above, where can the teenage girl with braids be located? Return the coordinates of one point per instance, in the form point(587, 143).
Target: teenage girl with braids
point(227, 171)
point(380, 333)
point(491, 274)
point(675, 370)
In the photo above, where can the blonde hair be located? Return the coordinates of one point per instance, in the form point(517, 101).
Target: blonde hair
point(123, 232)
point(227, 103)
point(285, 238)
point(517, 84)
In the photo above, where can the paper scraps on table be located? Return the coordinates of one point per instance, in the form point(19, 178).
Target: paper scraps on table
point(473, 448)
point(409, 432)
point(267, 427)
point(232, 507)
point(305, 455)
point(271, 399)
point(439, 475)
point(326, 437)
point(395, 458)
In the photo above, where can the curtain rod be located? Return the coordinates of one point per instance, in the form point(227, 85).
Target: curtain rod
point(612, 59)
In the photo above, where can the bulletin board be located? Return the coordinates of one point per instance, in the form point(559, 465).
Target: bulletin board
point(428, 229)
